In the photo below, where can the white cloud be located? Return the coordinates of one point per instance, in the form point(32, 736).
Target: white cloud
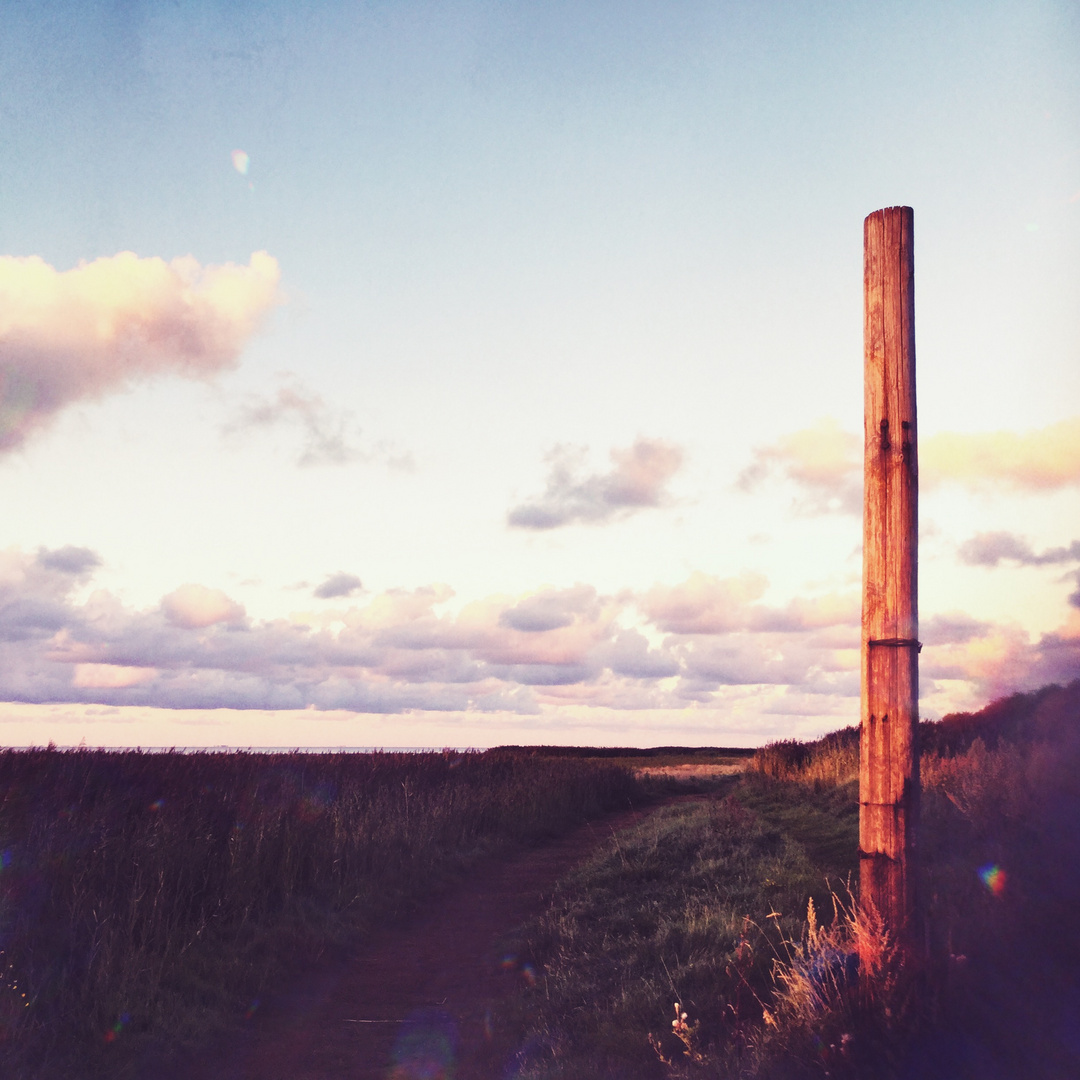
point(79, 334)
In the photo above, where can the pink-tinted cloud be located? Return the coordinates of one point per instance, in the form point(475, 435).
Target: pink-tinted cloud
point(78, 334)
point(638, 479)
point(1042, 460)
point(195, 607)
point(703, 604)
point(571, 648)
point(824, 461)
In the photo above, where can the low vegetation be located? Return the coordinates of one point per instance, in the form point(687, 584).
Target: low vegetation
point(146, 899)
point(706, 941)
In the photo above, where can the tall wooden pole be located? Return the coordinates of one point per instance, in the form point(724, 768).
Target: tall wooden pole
point(888, 752)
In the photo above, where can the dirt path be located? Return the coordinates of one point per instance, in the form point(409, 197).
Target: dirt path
point(416, 1002)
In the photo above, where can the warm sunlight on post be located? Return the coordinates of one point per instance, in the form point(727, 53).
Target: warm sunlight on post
point(889, 760)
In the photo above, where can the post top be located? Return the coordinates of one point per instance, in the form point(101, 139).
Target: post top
point(891, 210)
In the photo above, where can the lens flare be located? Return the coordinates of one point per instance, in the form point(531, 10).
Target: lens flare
point(994, 878)
point(426, 1047)
point(240, 162)
point(117, 1028)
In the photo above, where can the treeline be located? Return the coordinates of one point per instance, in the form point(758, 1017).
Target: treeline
point(147, 898)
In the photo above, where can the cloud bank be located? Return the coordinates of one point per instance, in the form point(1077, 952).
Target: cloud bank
point(637, 479)
point(74, 335)
point(683, 646)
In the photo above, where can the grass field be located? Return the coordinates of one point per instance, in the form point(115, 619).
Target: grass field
point(148, 899)
point(151, 897)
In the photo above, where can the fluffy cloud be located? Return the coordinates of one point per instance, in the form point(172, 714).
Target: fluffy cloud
point(77, 334)
point(638, 479)
point(339, 584)
point(703, 604)
point(195, 607)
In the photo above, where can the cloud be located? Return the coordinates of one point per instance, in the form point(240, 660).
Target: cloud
point(990, 548)
point(825, 463)
point(1046, 459)
point(330, 436)
point(703, 604)
point(78, 334)
point(824, 460)
point(76, 561)
point(326, 431)
point(110, 676)
point(549, 609)
point(638, 479)
point(339, 584)
point(196, 607)
point(672, 647)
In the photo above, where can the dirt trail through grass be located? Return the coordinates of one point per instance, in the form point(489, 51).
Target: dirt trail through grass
point(419, 996)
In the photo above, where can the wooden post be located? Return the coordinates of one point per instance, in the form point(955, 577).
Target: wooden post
point(888, 750)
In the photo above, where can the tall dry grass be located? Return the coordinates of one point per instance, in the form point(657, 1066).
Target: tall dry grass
point(150, 897)
point(1000, 886)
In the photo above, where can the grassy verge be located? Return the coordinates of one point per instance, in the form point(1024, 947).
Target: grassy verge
point(691, 906)
point(148, 899)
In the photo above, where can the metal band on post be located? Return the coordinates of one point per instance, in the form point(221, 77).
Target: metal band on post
point(897, 643)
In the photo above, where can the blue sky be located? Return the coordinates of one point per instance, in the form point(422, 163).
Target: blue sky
point(551, 370)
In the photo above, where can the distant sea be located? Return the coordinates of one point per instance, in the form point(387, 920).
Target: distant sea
point(268, 749)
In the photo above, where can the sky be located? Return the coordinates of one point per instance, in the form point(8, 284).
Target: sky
point(470, 373)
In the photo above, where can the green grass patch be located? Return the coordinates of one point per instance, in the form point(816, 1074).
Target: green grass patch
point(688, 906)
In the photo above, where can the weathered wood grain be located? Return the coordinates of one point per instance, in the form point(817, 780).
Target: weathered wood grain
point(889, 760)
